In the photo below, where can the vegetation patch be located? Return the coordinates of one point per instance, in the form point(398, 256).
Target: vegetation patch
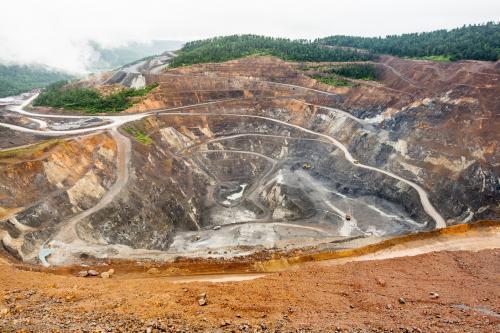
point(220, 49)
point(59, 95)
point(16, 155)
point(332, 80)
point(339, 75)
point(139, 135)
point(480, 42)
point(438, 58)
point(355, 71)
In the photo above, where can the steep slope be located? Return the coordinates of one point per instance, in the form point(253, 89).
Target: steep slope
point(42, 185)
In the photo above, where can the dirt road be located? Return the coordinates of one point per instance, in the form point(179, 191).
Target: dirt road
point(424, 198)
point(68, 233)
point(67, 237)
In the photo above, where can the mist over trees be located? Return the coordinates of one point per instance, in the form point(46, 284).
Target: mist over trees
point(478, 42)
point(15, 79)
point(114, 57)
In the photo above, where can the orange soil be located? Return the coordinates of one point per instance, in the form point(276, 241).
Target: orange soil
point(355, 296)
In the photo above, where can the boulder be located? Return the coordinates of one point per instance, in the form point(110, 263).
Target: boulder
point(82, 274)
point(93, 272)
point(202, 299)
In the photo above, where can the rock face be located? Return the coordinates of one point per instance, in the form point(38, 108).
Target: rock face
point(44, 185)
point(252, 153)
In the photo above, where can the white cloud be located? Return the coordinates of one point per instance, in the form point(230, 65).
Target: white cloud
point(54, 32)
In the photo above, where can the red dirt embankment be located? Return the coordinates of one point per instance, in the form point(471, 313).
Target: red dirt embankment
point(434, 292)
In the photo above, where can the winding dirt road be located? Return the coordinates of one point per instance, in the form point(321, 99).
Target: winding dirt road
point(68, 234)
point(424, 199)
point(120, 120)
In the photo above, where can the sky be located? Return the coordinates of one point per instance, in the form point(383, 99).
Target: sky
point(54, 32)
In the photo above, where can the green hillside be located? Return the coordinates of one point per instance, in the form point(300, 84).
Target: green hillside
point(221, 49)
point(59, 95)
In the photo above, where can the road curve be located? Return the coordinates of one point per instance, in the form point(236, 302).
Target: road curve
point(241, 135)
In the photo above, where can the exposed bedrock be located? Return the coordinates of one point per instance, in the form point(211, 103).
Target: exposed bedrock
point(247, 169)
point(162, 197)
point(43, 185)
point(255, 155)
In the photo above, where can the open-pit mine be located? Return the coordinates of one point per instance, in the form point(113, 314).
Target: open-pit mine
point(227, 172)
point(223, 161)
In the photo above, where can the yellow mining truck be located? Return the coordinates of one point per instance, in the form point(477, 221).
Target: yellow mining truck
point(306, 166)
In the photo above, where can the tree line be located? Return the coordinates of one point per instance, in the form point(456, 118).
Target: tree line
point(480, 42)
point(226, 48)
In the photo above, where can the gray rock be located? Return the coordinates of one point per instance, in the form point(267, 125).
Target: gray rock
point(202, 299)
point(93, 272)
point(434, 295)
point(82, 274)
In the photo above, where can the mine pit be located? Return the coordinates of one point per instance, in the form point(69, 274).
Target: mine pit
point(214, 166)
point(247, 183)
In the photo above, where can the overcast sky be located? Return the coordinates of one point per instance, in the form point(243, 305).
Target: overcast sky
point(54, 32)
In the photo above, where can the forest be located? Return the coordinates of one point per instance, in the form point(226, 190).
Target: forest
point(58, 95)
point(226, 48)
point(354, 71)
point(479, 42)
point(339, 75)
point(15, 79)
